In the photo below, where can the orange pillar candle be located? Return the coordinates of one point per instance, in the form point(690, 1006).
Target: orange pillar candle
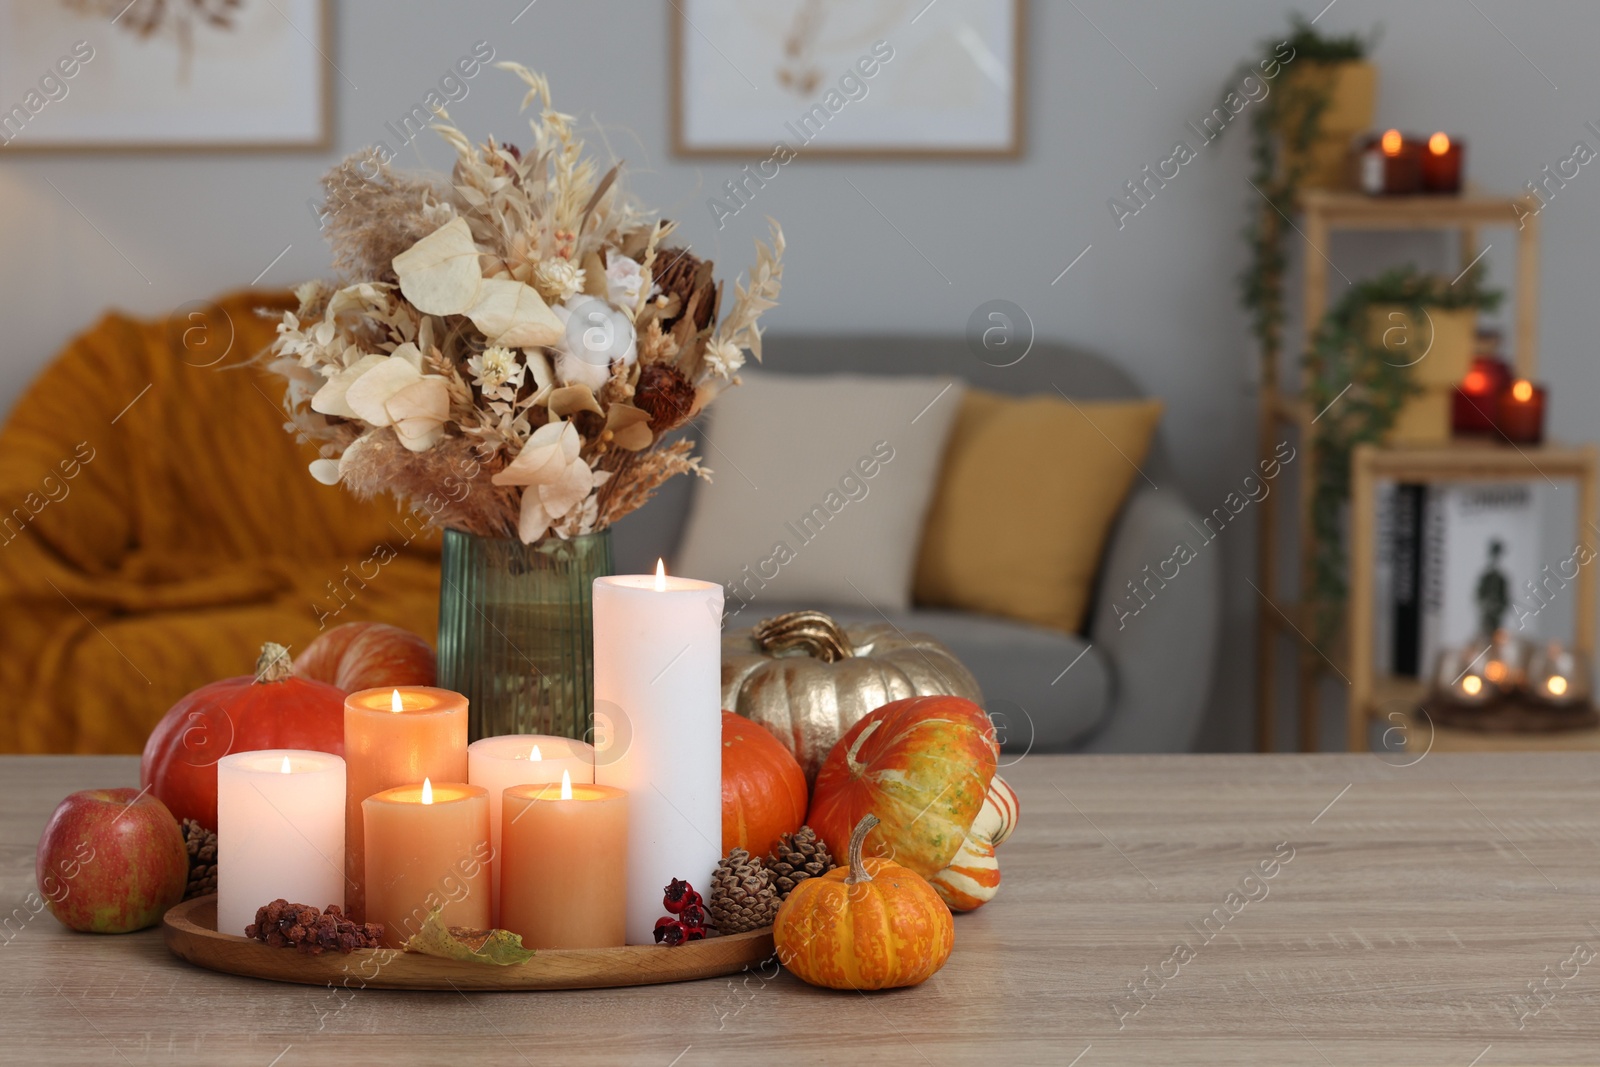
point(427, 847)
point(395, 737)
point(563, 875)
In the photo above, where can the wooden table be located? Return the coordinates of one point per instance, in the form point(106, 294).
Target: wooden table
point(1407, 912)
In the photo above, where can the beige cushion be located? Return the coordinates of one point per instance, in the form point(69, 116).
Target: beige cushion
point(1027, 496)
point(820, 487)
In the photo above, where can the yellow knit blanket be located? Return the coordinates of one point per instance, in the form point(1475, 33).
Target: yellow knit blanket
point(157, 524)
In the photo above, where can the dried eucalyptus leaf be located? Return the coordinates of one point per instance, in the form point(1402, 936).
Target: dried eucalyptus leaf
point(440, 274)
point(513, 314)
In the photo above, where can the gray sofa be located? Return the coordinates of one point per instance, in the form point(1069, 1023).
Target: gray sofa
point(1131, 683)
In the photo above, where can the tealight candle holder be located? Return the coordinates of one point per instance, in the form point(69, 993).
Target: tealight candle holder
point(1461, 678)
point(1521, 416)
point(1390, 165)
point(1556, 676)
point(1442, 160)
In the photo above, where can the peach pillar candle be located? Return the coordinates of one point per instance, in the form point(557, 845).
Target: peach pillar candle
point(658, 729)
point(395, 737)
point(563, 875)
point(427, 847)
point(280, 832)
point(523, 759)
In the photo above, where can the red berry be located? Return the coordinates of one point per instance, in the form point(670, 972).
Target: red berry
point(678, 894)
point(670, 931)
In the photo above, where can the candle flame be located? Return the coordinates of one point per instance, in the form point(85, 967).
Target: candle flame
point(661, 576)
point(1495, 670)
point(427, 791)
point(1476, 382)
point(1472, 685)
point(1523, 391)
point(566, 785)
point(394, 702)
point(1557, 686)
point(1439, 144)
point(285, 768)
point(534, 755)
point(1391, 142)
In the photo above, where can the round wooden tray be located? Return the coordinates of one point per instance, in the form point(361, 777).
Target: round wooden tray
point(190, 930)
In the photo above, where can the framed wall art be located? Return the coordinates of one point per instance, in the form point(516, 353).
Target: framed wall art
point(848, 78)
point(165, 74)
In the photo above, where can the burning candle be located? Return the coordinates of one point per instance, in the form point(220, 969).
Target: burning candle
point(1441, 164)
point(1477, 401)
point(564, 871)
point(1391, 164)
point(427, 847)
point(1522, 413)
point(497, 763)
point(396, 737)
point(280, 832)
point(658, 729)
point(1559, 677)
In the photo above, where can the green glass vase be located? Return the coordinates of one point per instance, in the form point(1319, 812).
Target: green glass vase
point(516, 631)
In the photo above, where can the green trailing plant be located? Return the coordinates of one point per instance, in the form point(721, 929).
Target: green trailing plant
point(1358, 386)
point(1284, 128)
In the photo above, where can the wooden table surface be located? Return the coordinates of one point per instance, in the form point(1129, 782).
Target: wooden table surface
point(1409, 913)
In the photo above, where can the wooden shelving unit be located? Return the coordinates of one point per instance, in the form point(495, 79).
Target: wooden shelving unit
point(1375, 696)
point(1322, 212)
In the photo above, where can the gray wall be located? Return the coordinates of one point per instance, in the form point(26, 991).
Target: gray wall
point(1156, 297)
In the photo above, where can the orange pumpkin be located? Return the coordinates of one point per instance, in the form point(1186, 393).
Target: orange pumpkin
point(923, 766)
point(871, 925)
point(367, 655)
point(763, 787)
point(274, 708)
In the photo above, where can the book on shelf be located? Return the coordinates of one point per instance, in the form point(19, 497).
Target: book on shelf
point(1448, 554)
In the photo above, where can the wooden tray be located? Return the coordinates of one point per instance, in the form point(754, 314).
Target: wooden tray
point(1511, 715)
point(190, 930)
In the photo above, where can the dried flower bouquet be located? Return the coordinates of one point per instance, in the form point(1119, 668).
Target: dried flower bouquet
point(509, 350)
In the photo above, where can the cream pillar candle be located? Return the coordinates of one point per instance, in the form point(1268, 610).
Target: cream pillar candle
point(523, 759)
point(658, 730)
point(280, 832)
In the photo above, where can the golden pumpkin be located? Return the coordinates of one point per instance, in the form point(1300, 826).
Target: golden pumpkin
point(871, 924)
point(808, 679)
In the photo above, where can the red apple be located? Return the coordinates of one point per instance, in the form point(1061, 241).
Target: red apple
point(111, 861)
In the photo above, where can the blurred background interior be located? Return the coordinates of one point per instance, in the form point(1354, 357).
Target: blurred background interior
point(1073, 249)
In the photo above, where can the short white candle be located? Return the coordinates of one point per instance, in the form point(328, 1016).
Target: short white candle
point(280, 832)
point(497, 763)
point(658, 730)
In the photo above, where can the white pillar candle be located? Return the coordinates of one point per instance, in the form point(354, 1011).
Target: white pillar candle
point(523, 759)
point(658, 730)
point(280, 832)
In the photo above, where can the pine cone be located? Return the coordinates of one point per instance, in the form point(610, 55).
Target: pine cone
point(795, 858)
point(742, 897)
point(202, 846)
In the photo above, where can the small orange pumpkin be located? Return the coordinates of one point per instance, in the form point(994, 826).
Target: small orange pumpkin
point(923, 765)
point(870, 925)
point(763, 787)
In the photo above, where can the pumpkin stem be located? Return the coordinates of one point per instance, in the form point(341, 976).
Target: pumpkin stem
point(274, 664)
point(858, 870)
point(813, 632)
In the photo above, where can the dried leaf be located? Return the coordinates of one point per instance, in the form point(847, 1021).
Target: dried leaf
point(513, 314)
point(572, 398)
point(440, 274)
point(331, 398)
point(501, 948)
point(368, 396)
point(630, 427)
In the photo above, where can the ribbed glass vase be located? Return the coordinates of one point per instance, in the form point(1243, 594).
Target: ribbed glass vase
point(516, 630)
